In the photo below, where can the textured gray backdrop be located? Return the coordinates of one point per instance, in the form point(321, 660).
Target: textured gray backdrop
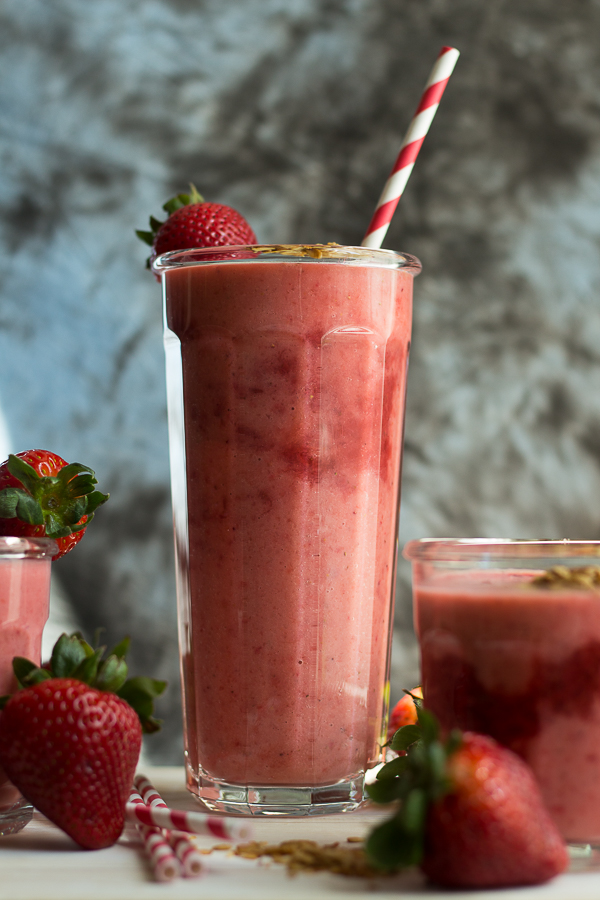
point(293, 111)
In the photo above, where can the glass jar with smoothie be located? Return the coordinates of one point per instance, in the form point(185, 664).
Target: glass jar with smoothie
point(24, 604)
point(509, 633)
point(286, 376)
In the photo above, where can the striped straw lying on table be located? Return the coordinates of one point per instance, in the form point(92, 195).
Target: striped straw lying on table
point(171, 853)
point(185, 850)
point(164, 863)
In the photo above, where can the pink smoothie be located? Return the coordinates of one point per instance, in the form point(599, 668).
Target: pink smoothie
point(523, 665)
point(294, 380)
point(24, 598)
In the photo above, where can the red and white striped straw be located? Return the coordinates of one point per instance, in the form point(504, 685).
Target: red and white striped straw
point(190, 822)
point(135, 796)
point(186, 853)
point(149, 794)
point(164, 862)
point(418, 128)
point(185, 850)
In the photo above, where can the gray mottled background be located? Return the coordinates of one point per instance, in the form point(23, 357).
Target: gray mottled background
point(293, 112)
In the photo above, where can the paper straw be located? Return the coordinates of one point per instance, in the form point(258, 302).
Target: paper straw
point(191, 822)
point(135, 796)
point(409, 150)
point(186, 853)
point(185, 850)
point(148, 792)
point(164, 862)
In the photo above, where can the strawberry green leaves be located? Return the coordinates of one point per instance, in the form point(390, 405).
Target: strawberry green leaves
point(58, 502)
point(404, 737)
point(15, 503)
point(390, 848)
point(413, 781)
point(183, 200)
point(27, 673)
point(73, 657)
point(175, 203)
point(140, 693)
point(69, 652)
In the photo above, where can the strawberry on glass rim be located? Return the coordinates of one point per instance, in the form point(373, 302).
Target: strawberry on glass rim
point(41, 495)
point(194, 222)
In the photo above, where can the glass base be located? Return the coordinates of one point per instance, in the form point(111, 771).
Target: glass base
point(278, 800)
point(583, 857)
point(15, 817)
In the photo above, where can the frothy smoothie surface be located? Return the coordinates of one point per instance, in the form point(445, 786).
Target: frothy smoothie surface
point(521, 663)
point(294, 379)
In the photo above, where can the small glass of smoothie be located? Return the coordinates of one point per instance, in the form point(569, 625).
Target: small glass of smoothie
point(24, 606)
point(286, 377)
point(509, 633)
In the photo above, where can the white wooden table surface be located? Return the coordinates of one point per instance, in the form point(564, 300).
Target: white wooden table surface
point(41, 863)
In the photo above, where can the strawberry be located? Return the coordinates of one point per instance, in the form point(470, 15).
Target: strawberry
point(470, 812)
point(404, 712)
point(70, 738)
point(193, 223)
point(43, 496)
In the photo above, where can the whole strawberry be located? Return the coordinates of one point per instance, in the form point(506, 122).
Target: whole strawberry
point(193, 222)
point(41, 495)
point(70, 738)
point(404, 712)
point(469, 812)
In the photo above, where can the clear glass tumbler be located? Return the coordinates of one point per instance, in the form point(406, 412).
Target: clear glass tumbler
point(24, 605)
point(510, 646)
point(286, 375)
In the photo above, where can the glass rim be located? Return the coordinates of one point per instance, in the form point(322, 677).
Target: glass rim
point(27, 548)
point(433, 549)
point(337, 254)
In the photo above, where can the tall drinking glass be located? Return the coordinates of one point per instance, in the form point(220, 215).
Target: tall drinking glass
point(24, 605)
point(286, 375)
